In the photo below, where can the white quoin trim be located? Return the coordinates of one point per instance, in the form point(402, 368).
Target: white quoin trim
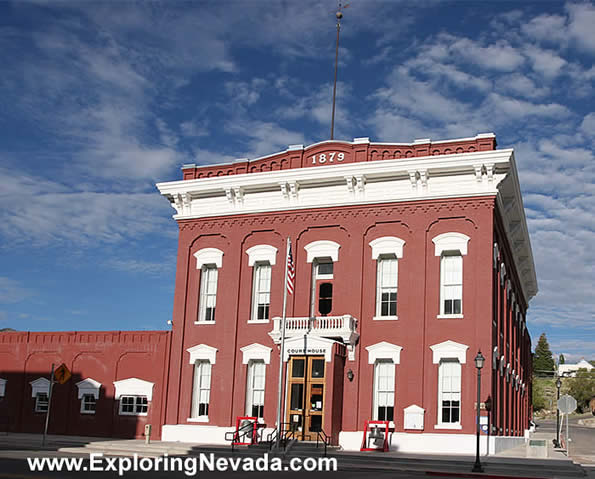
point(387, 245)
point(256, 351)
point(450, 242)
point(449, 350)
point(88, 386)
point(209, 256)
point(322, 249)
point(2, 387)
point(134, 387)
point(384, 350)
point(40, 385)
point(262, 252)
point(202, 351)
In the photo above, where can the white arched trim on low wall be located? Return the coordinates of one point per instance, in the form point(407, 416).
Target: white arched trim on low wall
point(88, 386)
point(202, 351)
point(261, 252)
point(387, 245)
point(134, 387)
point(209, 256)
point(40, 385)
point(256, 351)
point(322, 249)
point(449, 350)
point(450, 242)
point(384, 350)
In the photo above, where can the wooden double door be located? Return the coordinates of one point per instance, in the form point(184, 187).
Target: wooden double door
point(306, 396)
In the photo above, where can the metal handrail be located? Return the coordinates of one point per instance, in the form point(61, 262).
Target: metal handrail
point(322, 436)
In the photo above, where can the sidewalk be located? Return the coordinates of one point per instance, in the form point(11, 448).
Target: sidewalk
point(511, 463)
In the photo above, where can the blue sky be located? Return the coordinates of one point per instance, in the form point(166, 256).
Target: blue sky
point(100, 100)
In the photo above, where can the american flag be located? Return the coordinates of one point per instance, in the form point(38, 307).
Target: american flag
point(290, 271)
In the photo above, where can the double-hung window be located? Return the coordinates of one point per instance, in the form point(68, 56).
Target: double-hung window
point(261, 292)
point(384, 390)
point(386, 287)
point(41, 402)
point(134, 405)
point(88, 404)
point(451, 284)
point(208, 293)
point(255, 388)
point(449, 392)
point(201, 390)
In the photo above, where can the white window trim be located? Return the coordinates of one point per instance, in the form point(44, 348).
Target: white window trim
point(88, 386)
point(322, 249)
point(202, 352)
point(209, 256)
point(452, 425)
point(254, 352)
point(40, 385)
point(262, 253)
point(83, 410)
point(199, 363)
point(3, 387)
point(384, 350)
point(256, 291)
point(37, 401)
point(451, 241)
point(387, 245)
point(378, 316)
point(442, 314)
point(133, 413)
point(202, 293)
point(250, 385)
point(449, 350)
point(134, 387)
point(376, 363)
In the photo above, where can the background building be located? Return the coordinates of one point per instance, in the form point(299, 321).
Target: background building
point(409, 259)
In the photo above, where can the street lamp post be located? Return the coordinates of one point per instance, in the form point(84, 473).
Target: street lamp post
point(558, 386)
point(479, 359)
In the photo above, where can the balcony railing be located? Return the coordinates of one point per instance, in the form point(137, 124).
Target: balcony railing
point(343, 327)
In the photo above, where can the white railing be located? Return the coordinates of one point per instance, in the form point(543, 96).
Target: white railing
point(344, 327)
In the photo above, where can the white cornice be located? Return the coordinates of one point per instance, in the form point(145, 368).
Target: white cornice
point(462, 175)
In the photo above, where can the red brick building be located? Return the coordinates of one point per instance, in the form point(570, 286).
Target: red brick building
point(112, 391)
point(409, 259)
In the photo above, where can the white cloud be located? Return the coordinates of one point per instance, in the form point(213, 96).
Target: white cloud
point(588, 125)
point(580, 28)
point(12, 291)
point(56, 214)
point(545, 62)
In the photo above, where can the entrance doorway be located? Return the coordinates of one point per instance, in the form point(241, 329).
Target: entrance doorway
point(305, 405)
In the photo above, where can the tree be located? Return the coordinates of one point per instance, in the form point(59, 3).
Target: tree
point(562, 359)
point(582, 388)
point(543, 360)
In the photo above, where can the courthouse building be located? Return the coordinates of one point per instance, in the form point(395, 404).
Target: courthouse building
point(409, 259)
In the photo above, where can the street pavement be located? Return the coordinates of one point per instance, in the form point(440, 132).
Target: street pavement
point(16, 448)
point(582, 443)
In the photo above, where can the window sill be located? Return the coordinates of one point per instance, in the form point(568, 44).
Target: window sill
point(449, 316)
point(204, 322)
point(198, 419)
point(87, 412)
point(385, 318)
point(258, 321)
point(448, 426)
point(133, 414)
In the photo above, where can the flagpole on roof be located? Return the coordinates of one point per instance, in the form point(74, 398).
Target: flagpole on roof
point(281, 389)
point(339, 15)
